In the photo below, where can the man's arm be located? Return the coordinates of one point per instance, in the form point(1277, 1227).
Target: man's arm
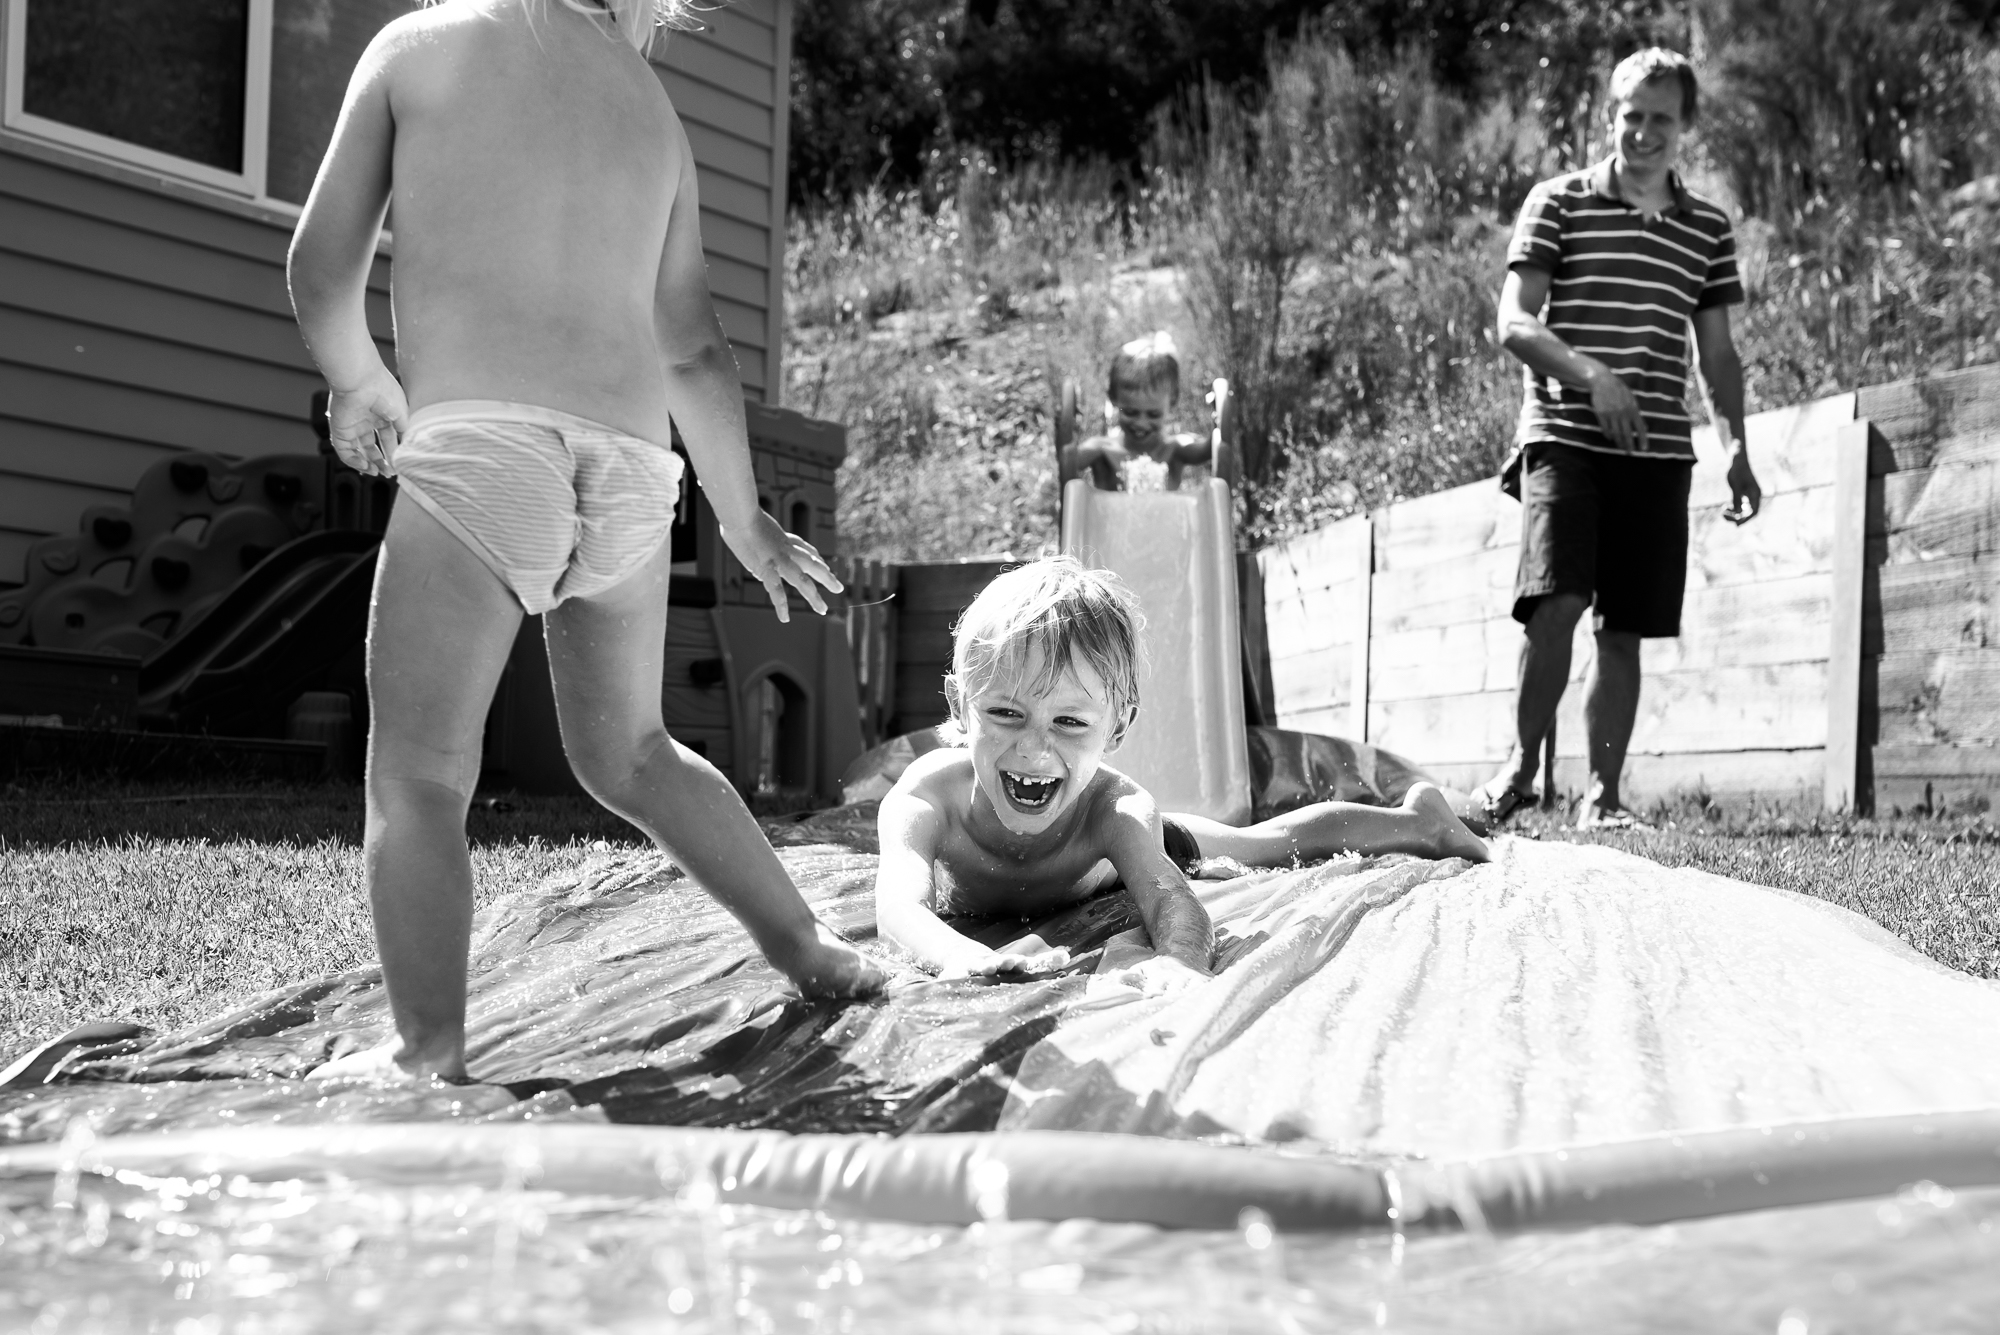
point(1522, 333)
point(1174, 918)
point(1722, 374)
point(705, 399)
point(910, 829)
point(332, 250)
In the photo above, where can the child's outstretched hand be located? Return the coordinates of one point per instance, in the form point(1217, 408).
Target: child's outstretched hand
point(777, 558)
point(1162, 975)
point(366, 423)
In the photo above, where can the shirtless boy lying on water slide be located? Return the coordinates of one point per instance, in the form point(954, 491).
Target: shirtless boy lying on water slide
point(1026, 818)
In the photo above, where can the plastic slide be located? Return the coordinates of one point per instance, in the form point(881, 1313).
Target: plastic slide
point(1177, 551)
point(280, 625)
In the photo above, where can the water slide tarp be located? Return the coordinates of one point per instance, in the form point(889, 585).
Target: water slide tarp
point(1364, 1013)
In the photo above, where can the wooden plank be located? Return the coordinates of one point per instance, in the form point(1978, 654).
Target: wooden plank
point(1473, 588)
point(1460, 522)
point(727, 196)
point(1951, 509)
point(1361, 677)
point(781, 148)
point(1949, 696)
point(729, 238)
point(1953, 603)
point(1792, 535)
point(36, 505)
point(1791, 449)
point(96, 245)
point(1757, 708)
point(88, 197)
point(717, 67)
point(1914, 416)
point(90, 354)
point(34, 449)
point(1936, 779)
point(732, 280)
point(724, 28)
point(1792, 777)
point(728, 155)
point(135, 414)
point(1840, 773)
point(60, 291)
point(719, 109)
point(1314, 620)
point(1314, 682)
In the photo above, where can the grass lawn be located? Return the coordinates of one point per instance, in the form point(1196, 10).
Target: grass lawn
point(164, 905)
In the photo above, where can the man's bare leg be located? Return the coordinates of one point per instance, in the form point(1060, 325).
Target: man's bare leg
point(1544, 674)
point(439, 633)
point(1610, 708)
point(1423, 824)
point(606, 653)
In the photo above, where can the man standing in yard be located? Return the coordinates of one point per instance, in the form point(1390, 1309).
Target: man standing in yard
point(1607, 269)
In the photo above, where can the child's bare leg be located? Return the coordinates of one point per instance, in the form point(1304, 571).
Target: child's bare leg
point(605, 652)
point(439, 634)
point(1423, 824)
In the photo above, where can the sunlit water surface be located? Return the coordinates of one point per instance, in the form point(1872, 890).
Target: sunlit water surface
point(130, 1252)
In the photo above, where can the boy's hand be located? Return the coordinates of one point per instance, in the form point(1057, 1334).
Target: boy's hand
point(1163, 975)
point(1028, 955)
point(1746, 498)
point(777, 558)
point(366, 423)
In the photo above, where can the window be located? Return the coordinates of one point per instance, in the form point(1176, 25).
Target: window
point(237, 95)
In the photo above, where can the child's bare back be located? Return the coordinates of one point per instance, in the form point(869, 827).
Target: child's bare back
point(525, 223)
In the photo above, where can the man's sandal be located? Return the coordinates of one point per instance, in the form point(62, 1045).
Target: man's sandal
point(1497, 806)
point(1617, 818)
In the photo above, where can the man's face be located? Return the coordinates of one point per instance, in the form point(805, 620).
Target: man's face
point(1142, 413)
point(1036, 746)
point(1648, 126)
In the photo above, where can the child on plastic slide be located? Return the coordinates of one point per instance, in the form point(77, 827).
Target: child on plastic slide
point(553, 322)
point(1027, 818)
point(1144, 390)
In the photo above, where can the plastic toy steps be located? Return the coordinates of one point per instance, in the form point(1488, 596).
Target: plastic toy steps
point(1177, 552)
point(132, 579)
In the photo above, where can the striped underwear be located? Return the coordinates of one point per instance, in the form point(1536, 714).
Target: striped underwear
point(558, 507)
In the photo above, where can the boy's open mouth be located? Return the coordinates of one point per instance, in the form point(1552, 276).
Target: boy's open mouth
point(1029, 792)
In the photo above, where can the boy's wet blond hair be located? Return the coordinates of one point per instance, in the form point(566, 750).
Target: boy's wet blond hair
point(1148, 362)
point(635, 20)
point(1060, 608)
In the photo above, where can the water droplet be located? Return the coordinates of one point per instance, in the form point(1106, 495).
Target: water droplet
point(1794, 1321)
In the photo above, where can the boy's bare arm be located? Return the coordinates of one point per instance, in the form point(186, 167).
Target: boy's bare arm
point(910, 828)
point(705, 400)
point(1174, 918)
point(333, 249)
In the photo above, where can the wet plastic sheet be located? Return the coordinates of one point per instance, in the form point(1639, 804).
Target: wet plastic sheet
point(1380, 1009)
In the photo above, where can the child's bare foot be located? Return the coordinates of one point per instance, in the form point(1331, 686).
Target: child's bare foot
point(378, 1066)
point(1450, 837)
point(828, 967)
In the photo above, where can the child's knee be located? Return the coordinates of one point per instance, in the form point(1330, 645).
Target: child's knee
point(393, 764)
point(617, 771)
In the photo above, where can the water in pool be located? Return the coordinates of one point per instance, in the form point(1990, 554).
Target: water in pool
point(125, 1252)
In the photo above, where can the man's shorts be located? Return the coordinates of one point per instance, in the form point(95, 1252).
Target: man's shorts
point(556, 505)
point(1607, 527)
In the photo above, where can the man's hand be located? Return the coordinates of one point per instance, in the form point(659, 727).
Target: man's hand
point(777, 559)
point(366, 423)
point(1163, 975)
point(1617, 410)
point(1745, 496)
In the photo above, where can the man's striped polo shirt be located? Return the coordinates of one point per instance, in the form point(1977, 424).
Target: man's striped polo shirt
point(1621, 289)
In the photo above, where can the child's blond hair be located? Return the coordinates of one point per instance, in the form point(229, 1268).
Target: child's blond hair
point(1060, 608)
point(636, 20)
point(1148, 362)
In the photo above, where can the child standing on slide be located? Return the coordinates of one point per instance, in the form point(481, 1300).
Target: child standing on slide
point(1026, 818)
point(553, 322)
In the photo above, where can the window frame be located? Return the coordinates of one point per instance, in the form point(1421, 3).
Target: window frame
point(246, 184)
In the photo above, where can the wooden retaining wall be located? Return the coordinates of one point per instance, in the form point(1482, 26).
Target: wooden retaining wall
point(929, 601)
point(1843, 647)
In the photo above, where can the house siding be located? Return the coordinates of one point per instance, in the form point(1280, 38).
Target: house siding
point(139, 318)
